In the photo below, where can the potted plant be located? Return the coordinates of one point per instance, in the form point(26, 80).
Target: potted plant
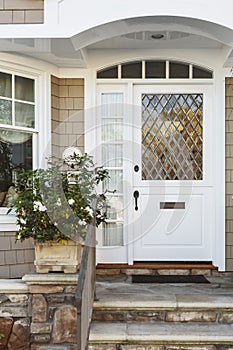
point(54, 206)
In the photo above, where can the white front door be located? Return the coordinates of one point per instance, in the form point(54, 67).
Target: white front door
point(158, 143)
point(173, 188)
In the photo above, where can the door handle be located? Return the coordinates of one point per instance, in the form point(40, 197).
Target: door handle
point(136, 195)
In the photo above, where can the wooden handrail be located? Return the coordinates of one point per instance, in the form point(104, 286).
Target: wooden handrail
point(85, 291)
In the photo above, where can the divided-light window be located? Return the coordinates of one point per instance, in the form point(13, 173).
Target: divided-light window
point(155, 69)
point(17, 129)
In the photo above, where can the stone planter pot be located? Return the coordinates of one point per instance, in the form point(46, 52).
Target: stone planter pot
point(52, 256)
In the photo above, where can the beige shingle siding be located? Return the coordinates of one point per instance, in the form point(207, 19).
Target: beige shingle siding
point(16, 258)
point(229, 174)
point(21, 11)
point(67, 102)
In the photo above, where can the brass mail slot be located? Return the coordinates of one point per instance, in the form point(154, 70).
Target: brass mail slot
point(172, 205)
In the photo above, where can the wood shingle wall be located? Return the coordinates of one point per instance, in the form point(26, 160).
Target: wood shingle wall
point(67, 114)
point(21, 11)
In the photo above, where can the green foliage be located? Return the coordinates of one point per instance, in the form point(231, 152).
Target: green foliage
point(59, 202)
point(1, 336)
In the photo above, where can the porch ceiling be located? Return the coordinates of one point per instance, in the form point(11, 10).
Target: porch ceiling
point(128, 34)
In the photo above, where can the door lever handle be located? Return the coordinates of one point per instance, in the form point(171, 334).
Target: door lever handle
point(136, 195)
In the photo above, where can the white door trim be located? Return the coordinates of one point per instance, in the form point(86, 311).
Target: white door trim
point(219, 149)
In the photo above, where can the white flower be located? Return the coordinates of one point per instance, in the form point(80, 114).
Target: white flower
point(59, 202)
point(71, 201)
point(39, 206)
point(90, 211)
point(55, 223)
point(22, 221)
point(82, 223)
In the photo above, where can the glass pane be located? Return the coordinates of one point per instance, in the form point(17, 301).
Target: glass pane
point(172, 136)
point(200, 73)
point(178, 70)
point(5, 112)
point(112, 129)
point(112, 155)
point(115, 181)
point(115, 208)
point(108, 73)
point(24, 115)
point(5, 85)
point(111, 104)
point(155, 69)
point(15, 154)
point(113, 234)
point(24, 89)
point(131, 70)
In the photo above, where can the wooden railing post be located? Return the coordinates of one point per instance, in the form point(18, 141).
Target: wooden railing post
point(85, 292)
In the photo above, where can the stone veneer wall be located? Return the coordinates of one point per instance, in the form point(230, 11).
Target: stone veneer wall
point(229, 174)
point(21, 11)
point(67, 114)
point(39, 313)
point(16, 259)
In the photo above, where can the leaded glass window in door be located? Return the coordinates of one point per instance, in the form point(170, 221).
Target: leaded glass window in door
point(172, 136)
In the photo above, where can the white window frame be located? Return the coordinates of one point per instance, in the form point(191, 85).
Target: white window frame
point(41, 140)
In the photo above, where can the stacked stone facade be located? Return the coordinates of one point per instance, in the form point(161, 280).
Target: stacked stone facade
point(21, 11)
point(39, 315)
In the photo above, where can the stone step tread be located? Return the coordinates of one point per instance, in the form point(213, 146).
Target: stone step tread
point(163, 302)
point(158, 333)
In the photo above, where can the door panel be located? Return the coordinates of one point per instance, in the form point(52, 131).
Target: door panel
point(174, 220)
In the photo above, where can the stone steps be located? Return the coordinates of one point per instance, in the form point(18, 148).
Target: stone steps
point(162, 322)
point(157, 336)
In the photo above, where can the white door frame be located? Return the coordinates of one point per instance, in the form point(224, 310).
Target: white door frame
point(219, 149)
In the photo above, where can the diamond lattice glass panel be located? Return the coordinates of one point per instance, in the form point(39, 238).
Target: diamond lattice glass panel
point(172, 136)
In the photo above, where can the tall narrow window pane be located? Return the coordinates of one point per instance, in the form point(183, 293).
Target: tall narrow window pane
point(156, 69)
point(5, 85)
point(5, 112)
point(24, 115)
point(112, 155)
point(115, 181)
point(178, 70)
point(24, 89)
point(15, 155)
point(131, 70)
point(111, 104)
point(113, 234)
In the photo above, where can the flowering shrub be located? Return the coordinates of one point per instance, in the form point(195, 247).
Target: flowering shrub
point(58, 203)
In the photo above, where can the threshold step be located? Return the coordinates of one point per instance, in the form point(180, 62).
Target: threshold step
point(158, 333)
point(159, 265)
